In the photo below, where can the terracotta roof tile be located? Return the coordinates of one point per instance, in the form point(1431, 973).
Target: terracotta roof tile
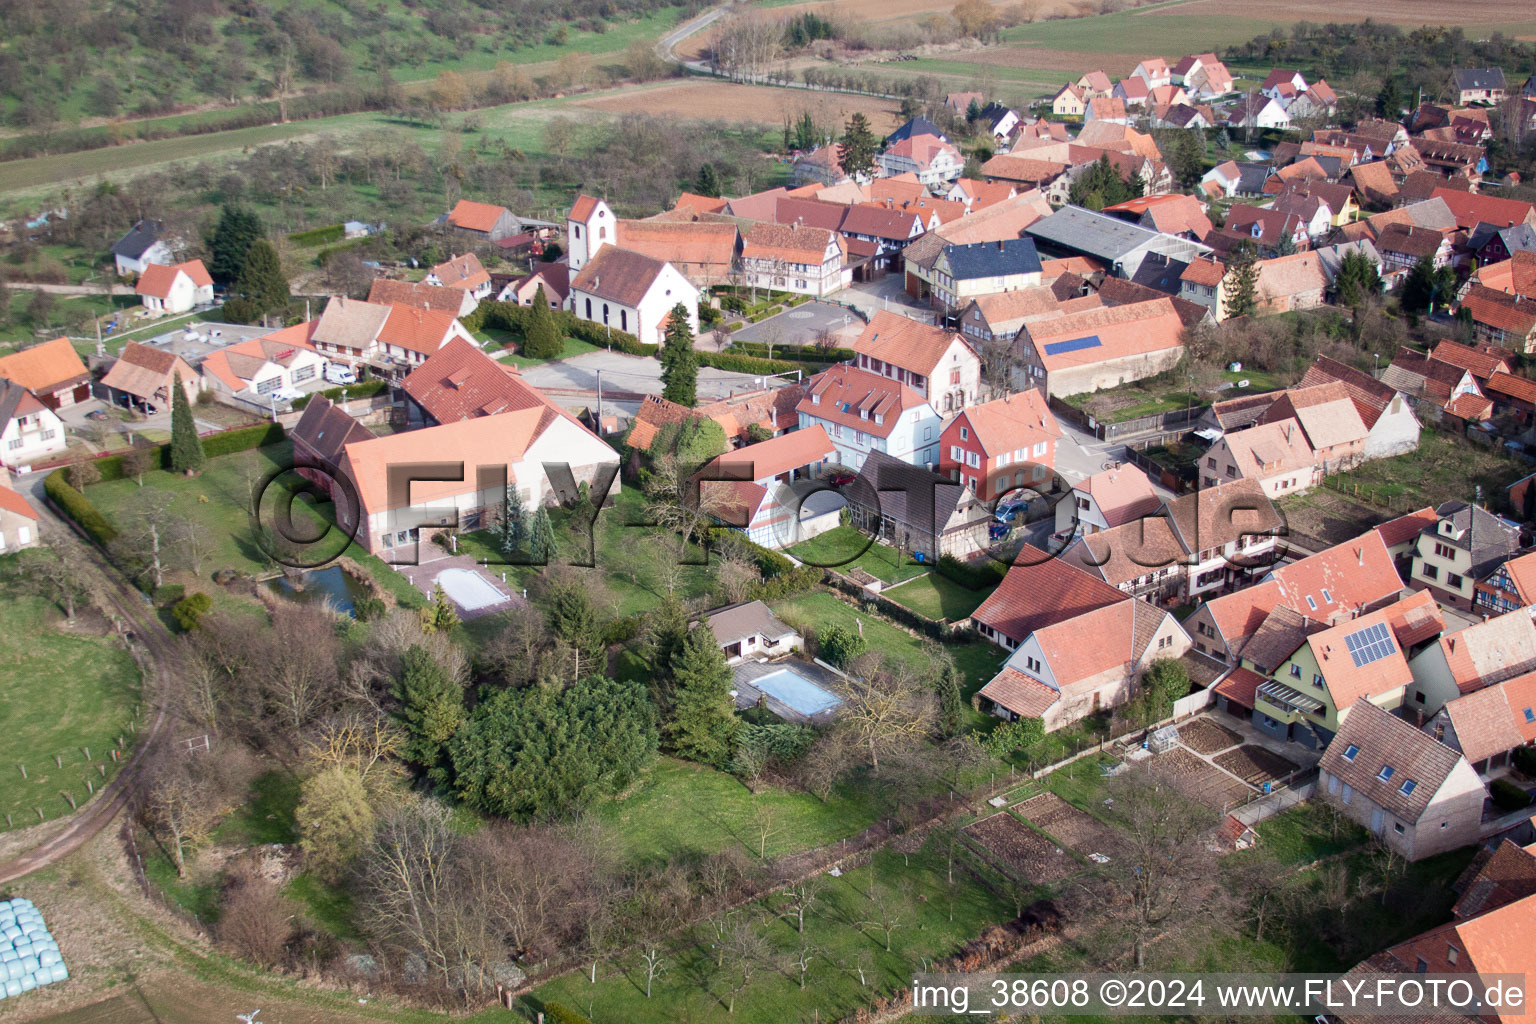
point(417, 294)
point(45, 368)
point(775, 456)
point(417, 330)
point(473, 216)
point(807, 245)
point(1122, 494)
point(14, 503)
point(462, 272)
point(1040, 590)
point(458, 382)
point(1015, 421)
point(839, 393)
point(619, 275)
point(1381, 739)
point(1404, 529)
point(904, 342)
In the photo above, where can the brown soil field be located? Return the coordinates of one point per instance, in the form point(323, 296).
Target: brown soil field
point(1402, 12)
point(1024, 852)
point(1199, 780)
point(1206, 737)
point(1045, 59)
point(1255, 764)
point(1078, 829)
point(748, 104)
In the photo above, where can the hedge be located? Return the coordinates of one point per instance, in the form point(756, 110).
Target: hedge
point(363, 389)
point(800, 353)
point(982, 575)
point(892, 610)
point(226, 443)
point(78, 507)
point(781, 577)
point(1525, 760)
point(1508, 796)
point(509, 316)
point(734, 363)
point(559, 1013)
point(319, 236)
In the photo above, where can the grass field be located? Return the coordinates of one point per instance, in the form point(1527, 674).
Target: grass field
point(63, 695)
point(937, 597)
point(1445, 468)
point(841, 933)
point(845, 548)
point(679, 808)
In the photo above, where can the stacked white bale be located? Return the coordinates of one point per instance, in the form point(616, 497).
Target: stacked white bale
point(29, 956)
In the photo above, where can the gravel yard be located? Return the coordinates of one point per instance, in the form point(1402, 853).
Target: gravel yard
point(1024, 852)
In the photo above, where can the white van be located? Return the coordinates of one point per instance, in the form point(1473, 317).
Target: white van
point(339, 373)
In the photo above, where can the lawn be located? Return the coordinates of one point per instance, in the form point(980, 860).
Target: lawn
point(217, 502)
point(573, 347)
point(841, 934)
point(1445, 468)
point(937, 596)
point(1309, 832)
point(844, 548)
point(64, 694)
point(681, 809)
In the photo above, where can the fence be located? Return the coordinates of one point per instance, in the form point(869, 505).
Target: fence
point(1175, 422)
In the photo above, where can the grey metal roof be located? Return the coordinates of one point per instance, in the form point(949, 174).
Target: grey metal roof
point(1478, 78)
point(916, 126)
point(138, 240)
point(992, 259)
point(1489, 539)
point(1090, 233)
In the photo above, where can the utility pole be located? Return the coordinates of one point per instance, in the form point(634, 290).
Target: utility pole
point(599, 403)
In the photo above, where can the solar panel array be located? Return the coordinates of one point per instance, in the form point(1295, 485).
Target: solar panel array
point(1056, 348)
point(1369, 644)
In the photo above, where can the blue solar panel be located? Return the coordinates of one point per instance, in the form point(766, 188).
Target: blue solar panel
point(1369, 644)
point(1056, 348)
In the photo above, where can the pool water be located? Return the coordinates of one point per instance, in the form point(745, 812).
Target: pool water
point(469, 590)
point(797, 691)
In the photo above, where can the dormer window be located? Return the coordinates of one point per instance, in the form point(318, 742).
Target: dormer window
point(815, 399)
point(879, 418)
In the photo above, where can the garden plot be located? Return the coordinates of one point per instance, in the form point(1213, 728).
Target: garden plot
point(1078, 829)
point(1206, 737)
point(1021, 850)
point(1255, 765)
point(1200, 780)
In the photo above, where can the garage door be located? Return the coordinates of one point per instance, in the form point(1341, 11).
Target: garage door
point(82, 392)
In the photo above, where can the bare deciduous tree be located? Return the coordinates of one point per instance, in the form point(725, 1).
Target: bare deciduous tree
point(888, 705)
point(181, 804)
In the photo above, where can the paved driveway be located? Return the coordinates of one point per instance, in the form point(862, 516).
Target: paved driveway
point(803, 324)
point(620, 372)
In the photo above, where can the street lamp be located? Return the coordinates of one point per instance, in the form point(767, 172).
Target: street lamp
point(1376, 372)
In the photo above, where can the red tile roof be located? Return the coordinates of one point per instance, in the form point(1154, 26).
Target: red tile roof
point(581, 209)
point(14, 503)
point(775, 456)
point(463, 272)
point(416, 330)
point(1520, 388)
point(473, 216)
point(45, 368)
point(1040, 590)
point(157, 280)
point(1015, 421)
point(839, 393)
point(1404, 529)
point(460, 382)
point(1472, 209)
point(904, 342)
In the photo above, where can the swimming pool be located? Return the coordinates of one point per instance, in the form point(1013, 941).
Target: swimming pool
point(469, 590)
point(797, 691)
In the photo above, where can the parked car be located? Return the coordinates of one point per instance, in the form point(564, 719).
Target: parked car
point(340, 373)
point(842, 478)
point(96, 414)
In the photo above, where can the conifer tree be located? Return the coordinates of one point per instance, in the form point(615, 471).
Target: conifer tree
point(541, 335)
point(510, 528)
point(187, 454)
point(679, 363)
point(541, 537)
point(702, 722)
point(262, 282)
point(708, 183)
point(858, 146)
point(431, 708)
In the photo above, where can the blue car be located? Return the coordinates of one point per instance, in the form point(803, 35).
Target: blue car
point(997, 531)
point(1008, 513)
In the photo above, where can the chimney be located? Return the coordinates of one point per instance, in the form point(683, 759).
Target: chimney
point(1360, 556)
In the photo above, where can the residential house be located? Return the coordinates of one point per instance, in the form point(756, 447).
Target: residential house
point(1319, 100)
point(1313, 210)
point(29, 430)
point(1334, 429)
point(1418, 796)
point(143, 377)
point(464, 273)
point(1472, 658)
point(998, 317)
point(806, 260)
point(929, 157)
point(1437, 383)
point(960, 102)
point(916, 510)
point(482, 221)
point(1269, 230)
point(746, 414)
point(1002, 446)
point(762, 490)
point(863, 412)
point(1169, 213)
point(750, 630)
point(1182, 115)
point(1118, 245)
point(1403, 245)
point(822, 165)
point(1083, 646)
point(1000, 120)
point(964, 272)
point(1329, 587)
point(878, 232)
point(1481, 361)
point(254, 370)
point(1094, 85)
point(796, 455)
point(1464, 546)
point(913, 127)
point(1222, 180)
point(52, 371)
point(1391, 426)
point(1131, 92)
point(1283, 82)
point(1508, 321)
point(353, 332)
point(631, 292)
point(1473, 208)
point(1106, 108)
point(1509, 587)
point(1068, 102)
point(1001, 220)
point(420, 295)
point(1154, 72)
point(145, 243)
point(1492, 246)
point(1289, 283)
point(319, 442)
point(1276, 454)
point(1401, 536)
point(175, 289)
point(554, 278)
point(1203, 282)
point(932, 361)
point(1024, 172)
point(1478, 85)
point(18, 521)
point(1099, 348)
point(1258, 112)
point(1488, 725)
point(1105, 500)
